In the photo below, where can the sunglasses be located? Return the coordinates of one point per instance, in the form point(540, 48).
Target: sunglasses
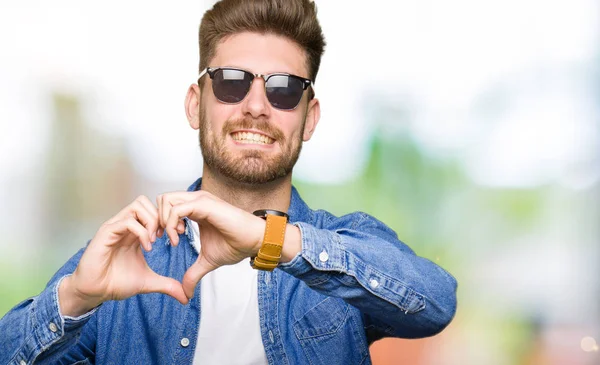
point(231, 85)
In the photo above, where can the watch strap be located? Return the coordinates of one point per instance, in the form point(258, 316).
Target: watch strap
point(270, 251)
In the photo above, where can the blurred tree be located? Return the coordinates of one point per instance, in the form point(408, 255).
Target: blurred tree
point(88, 175)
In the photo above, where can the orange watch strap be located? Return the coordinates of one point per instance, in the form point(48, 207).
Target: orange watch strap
point(270, 251)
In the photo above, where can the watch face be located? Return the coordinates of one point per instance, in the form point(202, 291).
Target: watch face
point(263, 213)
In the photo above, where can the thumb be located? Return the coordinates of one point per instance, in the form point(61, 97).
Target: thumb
point(194, 274)
point(161, 284)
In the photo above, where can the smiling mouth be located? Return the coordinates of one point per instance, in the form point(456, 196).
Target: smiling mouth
point(251, 138)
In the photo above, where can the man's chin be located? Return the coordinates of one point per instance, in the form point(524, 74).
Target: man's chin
point(251, 173)
point(247, 167)
point(253, 179)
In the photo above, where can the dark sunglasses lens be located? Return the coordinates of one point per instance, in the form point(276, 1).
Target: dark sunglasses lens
point(231, 86)
point(284, 92)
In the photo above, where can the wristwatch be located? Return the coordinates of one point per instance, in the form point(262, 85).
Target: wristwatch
point(270, 251)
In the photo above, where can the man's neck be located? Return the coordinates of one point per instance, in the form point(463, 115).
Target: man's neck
point(274, 195)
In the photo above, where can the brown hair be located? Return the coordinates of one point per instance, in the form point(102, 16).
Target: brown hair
point(294, 19)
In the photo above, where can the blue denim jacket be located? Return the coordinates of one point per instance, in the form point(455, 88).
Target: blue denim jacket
point(353, 283)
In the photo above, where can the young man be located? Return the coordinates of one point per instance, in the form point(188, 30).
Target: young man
point(252, 274)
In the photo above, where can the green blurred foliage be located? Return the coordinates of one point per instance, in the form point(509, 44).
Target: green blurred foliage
point(23, 279)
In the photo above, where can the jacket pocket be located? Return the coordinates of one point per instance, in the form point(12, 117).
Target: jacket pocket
point(332, 333)
point(325, 318)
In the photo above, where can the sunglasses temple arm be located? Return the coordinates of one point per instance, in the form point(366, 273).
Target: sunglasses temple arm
point(202, 73)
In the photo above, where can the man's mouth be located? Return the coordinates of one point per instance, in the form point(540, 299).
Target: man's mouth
point(249, 137)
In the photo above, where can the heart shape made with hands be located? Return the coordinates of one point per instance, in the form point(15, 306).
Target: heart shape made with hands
point(113, 265)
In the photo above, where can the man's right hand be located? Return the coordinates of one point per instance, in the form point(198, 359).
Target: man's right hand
point(113, 266)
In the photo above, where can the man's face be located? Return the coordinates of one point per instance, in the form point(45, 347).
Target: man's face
point(252, 142)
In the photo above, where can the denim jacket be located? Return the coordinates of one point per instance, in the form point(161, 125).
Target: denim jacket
point(353, 283)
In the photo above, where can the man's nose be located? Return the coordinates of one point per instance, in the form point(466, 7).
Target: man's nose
point(256, 103)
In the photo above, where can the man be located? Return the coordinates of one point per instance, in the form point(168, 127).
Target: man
point(252, 274)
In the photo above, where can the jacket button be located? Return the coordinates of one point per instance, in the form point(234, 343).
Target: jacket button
point(22, 362)
point(323, 256)
point(185, 342)
point(373, 283)
point(53, 327)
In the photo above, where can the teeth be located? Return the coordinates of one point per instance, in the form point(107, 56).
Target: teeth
point(247, 137)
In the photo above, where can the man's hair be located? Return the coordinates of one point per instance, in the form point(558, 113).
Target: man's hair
point(293, 19)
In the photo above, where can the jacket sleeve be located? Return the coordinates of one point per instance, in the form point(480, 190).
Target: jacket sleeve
point(35, 330)
point(359, 259)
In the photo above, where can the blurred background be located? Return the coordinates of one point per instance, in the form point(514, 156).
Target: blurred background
point(472, 128)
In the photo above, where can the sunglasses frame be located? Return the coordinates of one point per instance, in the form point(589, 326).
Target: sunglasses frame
point(305, 82)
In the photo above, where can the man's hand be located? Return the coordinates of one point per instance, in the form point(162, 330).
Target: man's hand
point(228, 234)
point(113, 266)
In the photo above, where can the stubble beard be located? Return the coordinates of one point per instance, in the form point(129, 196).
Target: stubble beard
point(249, 167)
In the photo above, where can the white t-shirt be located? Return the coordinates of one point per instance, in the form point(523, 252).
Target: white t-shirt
point(229, 322)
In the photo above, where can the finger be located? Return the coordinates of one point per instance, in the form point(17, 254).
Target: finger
point(129, 226)
point(194, 274)
point(161, 284)
point(159, 201)
point(167, 201)
point(180, 227)
point(153, 211)
point(140, 232)
point(163, 209)
point(140, 213)
point(179, 211)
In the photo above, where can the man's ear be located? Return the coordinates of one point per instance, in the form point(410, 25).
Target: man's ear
point(313, 115)
point(192, 104)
